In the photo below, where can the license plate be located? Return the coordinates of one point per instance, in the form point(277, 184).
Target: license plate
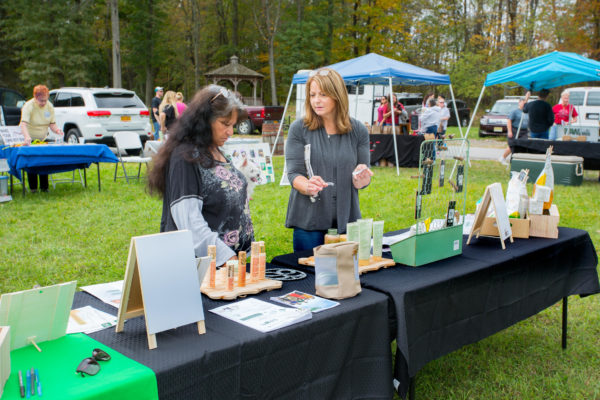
point(497, 129)
point(125, 118)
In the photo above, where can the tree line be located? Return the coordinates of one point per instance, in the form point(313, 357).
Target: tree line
point(173, 43)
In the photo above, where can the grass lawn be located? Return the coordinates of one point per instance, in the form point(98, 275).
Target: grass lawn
point(72, 233)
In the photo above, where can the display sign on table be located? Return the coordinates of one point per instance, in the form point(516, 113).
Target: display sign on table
point(257, 153)
point(590, 132)
point(11, 135)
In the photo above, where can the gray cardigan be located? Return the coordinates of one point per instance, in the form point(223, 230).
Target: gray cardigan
point(351, 149)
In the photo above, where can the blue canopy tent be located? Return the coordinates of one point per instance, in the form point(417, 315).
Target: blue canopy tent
point(376, 69)
point(544, 72)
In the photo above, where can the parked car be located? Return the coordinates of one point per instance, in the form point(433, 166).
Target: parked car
point(11, 102)
point(464, 113)
point(587, 103)
point(410, 101)
point(256, 116)
point(97, 113)
point(493, 122)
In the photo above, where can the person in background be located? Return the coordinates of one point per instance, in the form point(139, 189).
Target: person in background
point(398, 108)
point(381, 110)
point(430, 118)
point(167, 112)
point(564, 113)
point(444, 116)
point(540, 113)
point(155, 104)
point(37, 115)
point(514, 118)
point(180, 104)
point(201, 190)
point(339, 159)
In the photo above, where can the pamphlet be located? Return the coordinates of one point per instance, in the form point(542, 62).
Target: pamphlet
point(305, 301)
point(109, 293)
point(262, 316)
point(88, 319)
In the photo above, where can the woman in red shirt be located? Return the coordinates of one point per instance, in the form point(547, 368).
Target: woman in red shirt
point(564, 113)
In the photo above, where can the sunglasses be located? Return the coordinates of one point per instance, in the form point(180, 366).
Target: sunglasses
point(222, 92)
point(90, 365)
point(322, 72)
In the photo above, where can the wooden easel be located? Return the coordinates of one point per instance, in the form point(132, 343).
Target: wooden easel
point(132, 298)
point(493, 194)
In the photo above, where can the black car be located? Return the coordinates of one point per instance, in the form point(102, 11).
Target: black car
point(11, 102)
point(464, 113)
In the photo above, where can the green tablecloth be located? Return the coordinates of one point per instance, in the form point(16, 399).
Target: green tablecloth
point(119, 378)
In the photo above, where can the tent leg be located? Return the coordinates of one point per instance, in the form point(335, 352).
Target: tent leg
point(456, 111)
point(287, 102)
point(394, 128)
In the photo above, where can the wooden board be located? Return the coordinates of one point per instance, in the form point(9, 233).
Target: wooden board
point(545, 225)
point(374, 263)
point(220, 292)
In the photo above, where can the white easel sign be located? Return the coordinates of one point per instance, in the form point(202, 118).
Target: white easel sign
point(11, 135)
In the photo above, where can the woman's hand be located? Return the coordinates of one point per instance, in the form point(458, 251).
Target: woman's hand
point(314, 185)
point(361, 176)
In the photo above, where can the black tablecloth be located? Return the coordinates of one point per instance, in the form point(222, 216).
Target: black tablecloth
point(341, 353)
point(382, 146)
point(588, 150)
point(447, 304)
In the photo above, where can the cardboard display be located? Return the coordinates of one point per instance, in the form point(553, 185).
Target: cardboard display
point(545, 225)
point(161, 283)
point(493, 194)
point(4, 356)
point(37, 315)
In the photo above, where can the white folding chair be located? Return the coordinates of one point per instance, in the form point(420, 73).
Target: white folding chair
point(129, 150)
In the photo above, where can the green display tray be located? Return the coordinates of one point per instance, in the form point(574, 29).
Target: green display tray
point(429, 247)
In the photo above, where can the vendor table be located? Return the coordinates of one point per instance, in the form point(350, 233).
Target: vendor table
point(442, 306)
point(341, 353)
point(382, 146)
point(590, 151)
point(54, 158)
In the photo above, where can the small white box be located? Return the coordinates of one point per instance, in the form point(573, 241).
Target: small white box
point(542, 193)
point(536, 207)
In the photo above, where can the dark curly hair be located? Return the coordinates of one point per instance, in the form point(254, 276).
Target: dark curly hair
point(192, 134)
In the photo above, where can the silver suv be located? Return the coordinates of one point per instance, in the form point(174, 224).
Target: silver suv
point(96, 113)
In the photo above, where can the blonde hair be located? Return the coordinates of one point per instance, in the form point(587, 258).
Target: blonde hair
point(169, 99)
point(179, 96)
point(332, 84)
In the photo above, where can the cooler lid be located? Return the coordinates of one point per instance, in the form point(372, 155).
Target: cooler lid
point(542, 157)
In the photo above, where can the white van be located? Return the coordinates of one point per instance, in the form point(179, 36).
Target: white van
point(586, 101)
point(363, 106)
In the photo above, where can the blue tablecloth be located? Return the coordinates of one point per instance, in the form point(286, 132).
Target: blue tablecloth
point(54, 158)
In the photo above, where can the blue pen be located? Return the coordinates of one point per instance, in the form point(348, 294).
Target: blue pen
point(39, 384)
point(27, 383)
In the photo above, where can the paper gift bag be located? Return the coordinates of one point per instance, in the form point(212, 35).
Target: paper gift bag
point(375, 129)
point(336, 270)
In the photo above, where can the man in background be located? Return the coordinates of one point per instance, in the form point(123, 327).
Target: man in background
point(541, 117)
point(155, 104)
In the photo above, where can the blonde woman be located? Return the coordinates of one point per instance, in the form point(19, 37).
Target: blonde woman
point(167, 111)
point(339, 160)
point(181, 106)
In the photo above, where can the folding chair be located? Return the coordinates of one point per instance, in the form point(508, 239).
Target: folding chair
point(129, 150)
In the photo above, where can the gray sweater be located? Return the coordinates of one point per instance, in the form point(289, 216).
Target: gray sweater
point(333, 159)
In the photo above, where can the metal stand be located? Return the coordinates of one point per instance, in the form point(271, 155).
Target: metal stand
point(565, 308)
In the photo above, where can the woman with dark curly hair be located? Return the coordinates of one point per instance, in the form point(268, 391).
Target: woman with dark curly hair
point(202, 191)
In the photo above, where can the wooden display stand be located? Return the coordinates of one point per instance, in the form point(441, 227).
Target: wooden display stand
point(545, 225)
point(519, 226)
point(4, 356)
point(220, 292)
point(161, 283)
point(373, 264)
point(493, 194)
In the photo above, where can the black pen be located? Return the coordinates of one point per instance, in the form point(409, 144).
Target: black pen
point(32, 382)
point(21, 387)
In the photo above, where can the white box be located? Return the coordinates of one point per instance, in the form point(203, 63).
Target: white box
point(536, 207)
point(542, 193)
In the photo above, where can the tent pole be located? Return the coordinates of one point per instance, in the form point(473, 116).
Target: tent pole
point(468, 129)
point(356, 100)
point(287, 102)
point(394, 128)
point(520, 123)
point(456, 111)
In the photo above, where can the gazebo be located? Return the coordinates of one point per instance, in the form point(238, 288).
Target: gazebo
point(235, 73)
